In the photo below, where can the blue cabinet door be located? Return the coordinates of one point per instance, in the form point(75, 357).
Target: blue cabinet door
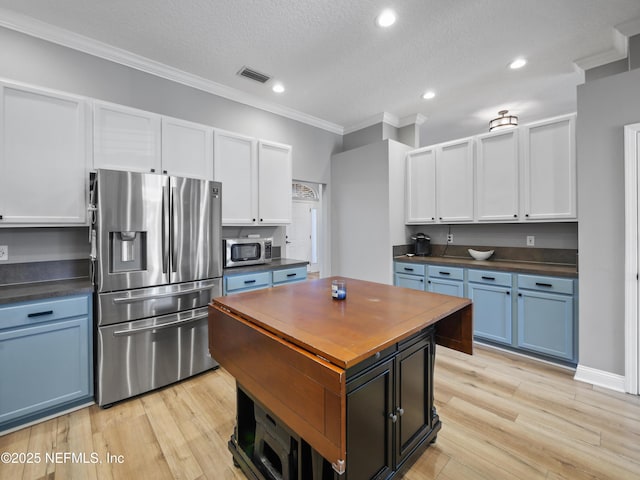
point(545, 323)
point(415, 282)
point(491, 312)
point(45, 367)
point(446, 287)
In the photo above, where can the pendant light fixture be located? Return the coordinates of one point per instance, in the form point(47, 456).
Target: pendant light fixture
point(503, 120)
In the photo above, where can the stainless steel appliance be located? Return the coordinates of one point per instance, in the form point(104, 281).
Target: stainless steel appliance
point(422, 244)
point(158, 263)
point(239, 252)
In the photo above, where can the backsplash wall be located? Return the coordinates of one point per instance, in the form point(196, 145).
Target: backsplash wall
point(547, 235)
point(26, 245)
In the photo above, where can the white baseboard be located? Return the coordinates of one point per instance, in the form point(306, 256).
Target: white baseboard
point(600, 378)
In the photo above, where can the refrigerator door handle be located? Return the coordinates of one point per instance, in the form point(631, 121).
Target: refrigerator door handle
point(174, 229)
point(165, 229)
point(160, 295)
point(175, 323)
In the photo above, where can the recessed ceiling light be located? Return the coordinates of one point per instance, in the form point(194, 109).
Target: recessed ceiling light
point(517, 63)
point(429, 95)
point(386, 18)
point(278, 88)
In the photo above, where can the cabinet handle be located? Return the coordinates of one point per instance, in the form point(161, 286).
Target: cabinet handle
point(488, 278)
point(540, 284)
point(508, 292)
point(422, 280)
point(164, 171)
point(408, 269)
point(444, 273)
point(400, 411)
point(291, 274)
point(153, 170)
point(526, 214)
point(0, 217)
point(515, 215)
point(40, 314)
point(393, 417)
point(247, 282)
point(519, 294)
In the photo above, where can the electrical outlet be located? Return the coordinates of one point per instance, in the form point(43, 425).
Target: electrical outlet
point(450, 238)
point(4, 253)
point(531, 241)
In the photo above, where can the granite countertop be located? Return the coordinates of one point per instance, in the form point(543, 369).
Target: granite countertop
point(40, 290)
point(514, 266)
point(275, 264)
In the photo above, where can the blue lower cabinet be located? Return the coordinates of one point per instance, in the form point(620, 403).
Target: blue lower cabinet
point(415, 282)
point(409, 275)
point(46, 358)
point(289, 275)
point(246, 282)
point(491, 312)
point(546, 323)
point(446, 280)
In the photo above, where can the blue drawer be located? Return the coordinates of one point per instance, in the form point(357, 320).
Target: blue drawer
point(29, 313)
point(289, 275)
point(251, 280)
point(409, 268)
point(490, 278)
point(452, 273)
point(546, 284)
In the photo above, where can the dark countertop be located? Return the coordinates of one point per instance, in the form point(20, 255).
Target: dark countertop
point(42, 290)
point(275, 264)
point(536, 268)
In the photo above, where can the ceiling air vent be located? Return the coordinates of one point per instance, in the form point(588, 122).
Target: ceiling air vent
point(253, 75)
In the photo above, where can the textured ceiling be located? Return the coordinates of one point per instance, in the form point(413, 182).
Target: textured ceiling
point(338, 66)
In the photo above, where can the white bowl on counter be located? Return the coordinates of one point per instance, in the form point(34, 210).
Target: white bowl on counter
point(478, 255)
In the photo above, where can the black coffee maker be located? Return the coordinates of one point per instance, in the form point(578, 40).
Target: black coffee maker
point(422, 244)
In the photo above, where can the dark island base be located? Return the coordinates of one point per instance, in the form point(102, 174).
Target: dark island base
point(266, 449)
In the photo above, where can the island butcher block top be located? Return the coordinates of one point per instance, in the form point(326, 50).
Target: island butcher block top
point(291, 346)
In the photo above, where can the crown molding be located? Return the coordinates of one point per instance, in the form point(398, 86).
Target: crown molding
point(618, 51)
point(66, 38)
point(417, 119)
point(389, 119)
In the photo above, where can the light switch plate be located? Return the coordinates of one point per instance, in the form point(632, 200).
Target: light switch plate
point(531, 241)
point(4, 253)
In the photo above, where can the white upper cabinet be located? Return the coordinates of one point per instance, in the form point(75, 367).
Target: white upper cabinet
point(43, 157)
point(420, 186)
point(125, 138)
point(274, 183)
point(454, 181)
point(497, 176)
point(256, 180)
point(235, 166)
point(549, 164)
point(187, 149)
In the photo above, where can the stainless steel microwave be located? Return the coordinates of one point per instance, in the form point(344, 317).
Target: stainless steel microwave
point(239, 252)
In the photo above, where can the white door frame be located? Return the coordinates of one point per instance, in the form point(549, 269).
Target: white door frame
point(632, 245)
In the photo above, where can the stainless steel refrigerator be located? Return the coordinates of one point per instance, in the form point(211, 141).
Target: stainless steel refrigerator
point(158, 264)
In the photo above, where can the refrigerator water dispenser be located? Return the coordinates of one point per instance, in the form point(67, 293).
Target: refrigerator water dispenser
point(127, 251)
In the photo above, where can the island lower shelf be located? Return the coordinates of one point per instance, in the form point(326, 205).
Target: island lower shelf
point(366, 418)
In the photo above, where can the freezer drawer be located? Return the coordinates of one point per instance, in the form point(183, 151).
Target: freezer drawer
point(136, 357)
point(118, 307)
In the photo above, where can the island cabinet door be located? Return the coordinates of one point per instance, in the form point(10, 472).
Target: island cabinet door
point(414, 402)
point(369, 423)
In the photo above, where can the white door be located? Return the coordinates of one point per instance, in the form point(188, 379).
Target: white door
point(632, 254)
point(454, 181)
point(187, 149)
point(274, 183)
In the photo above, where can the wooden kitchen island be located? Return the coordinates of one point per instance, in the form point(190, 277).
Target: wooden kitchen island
point(334, 388)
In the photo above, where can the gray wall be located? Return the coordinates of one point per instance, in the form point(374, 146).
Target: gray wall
point(547, 235)
point(40, 63)
point(604, 107)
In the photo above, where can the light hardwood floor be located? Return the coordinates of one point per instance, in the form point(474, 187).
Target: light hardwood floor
point(504, 417)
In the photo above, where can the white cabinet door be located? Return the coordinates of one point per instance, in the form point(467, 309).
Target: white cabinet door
point(187, 149)
point(420, 193)
point(125, 138)
point(235, 167)
point(43, 174)
point(274, 183)
point(497, 180)
point(549, 178)
point(454, 177)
